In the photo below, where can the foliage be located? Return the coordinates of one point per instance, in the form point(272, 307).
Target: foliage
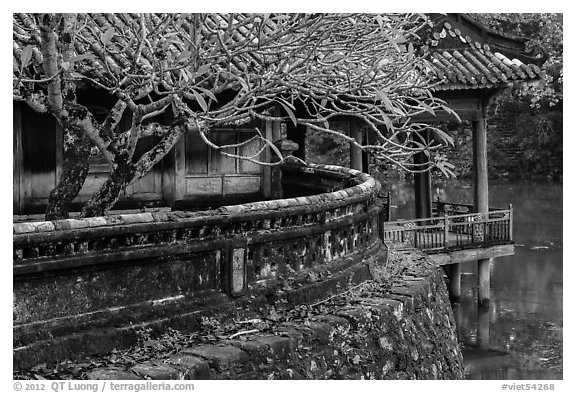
point(209, 70)
point(538, 136)
point(536, 110)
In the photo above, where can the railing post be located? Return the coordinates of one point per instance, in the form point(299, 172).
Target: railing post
point(389, 202)
point(510, 221)
point(446, 227)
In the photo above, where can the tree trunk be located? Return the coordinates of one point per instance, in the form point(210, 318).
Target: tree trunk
point(103, 200)
point(74, 171)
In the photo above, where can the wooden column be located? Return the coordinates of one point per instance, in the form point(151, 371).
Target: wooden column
point(480, 158)
point(266, 172)
point(365, 155)
point(455, 282)
point(422, 185)
point(355, 151)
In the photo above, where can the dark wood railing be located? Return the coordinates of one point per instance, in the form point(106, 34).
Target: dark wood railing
point(453, 231)
point(440, 208)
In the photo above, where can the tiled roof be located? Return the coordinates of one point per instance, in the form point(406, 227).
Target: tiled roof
point(461, 62)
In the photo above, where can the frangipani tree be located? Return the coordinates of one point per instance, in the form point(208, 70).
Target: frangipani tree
point(210, 70)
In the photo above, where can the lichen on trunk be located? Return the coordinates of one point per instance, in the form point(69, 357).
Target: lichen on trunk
point(74, 171)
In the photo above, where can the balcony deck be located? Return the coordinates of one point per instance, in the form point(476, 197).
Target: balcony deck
point(454, 234)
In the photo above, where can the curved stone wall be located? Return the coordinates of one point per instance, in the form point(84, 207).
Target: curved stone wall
point(396, 325)
point(83, 276)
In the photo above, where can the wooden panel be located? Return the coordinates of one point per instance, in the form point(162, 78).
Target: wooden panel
point(59, 150)
point(180, 169)
point(168, 178)
point(16, 158)
point(196, 155)
point(219, 163)
point(203, 186)
point(39, 152)
point(151, 182)
point(241, 184)
point(249, 150)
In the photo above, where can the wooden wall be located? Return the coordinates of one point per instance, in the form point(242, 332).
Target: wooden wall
point(191, 172)
point(209, 174)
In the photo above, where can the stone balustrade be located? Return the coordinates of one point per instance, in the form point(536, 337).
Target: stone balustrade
point(78, 275)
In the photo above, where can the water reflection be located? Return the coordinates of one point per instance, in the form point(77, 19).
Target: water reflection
point(520, 336)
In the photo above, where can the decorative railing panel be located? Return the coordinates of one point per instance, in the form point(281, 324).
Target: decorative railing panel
point(436, 234)
point(439, 208)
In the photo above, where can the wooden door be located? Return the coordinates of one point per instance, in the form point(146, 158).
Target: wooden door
point(35, 156)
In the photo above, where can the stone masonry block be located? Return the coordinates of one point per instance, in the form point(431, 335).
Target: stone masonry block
point(61, 225)
point(43, 226)
point(77, 224)
point(136, 218)
point(111, 374)
point(192, 367)
point(257, 349)
point(359, 317)
point(156, 370)
point(290, 331)
point(279, 347)
point(95, 221)
point(23, 227)
point(221, 357)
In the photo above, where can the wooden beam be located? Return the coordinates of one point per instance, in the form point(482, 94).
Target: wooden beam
point(467, 108)
point(355, 151)
point(473, 254)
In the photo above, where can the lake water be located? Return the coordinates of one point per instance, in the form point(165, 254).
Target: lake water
point(520, 336)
